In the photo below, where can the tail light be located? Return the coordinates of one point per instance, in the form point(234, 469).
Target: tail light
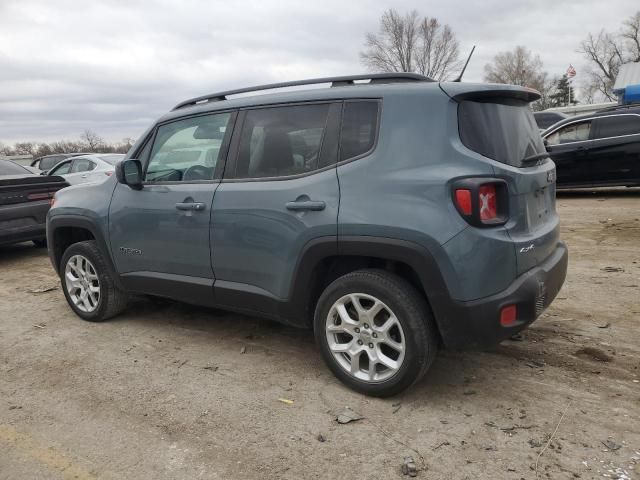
point(483, 202)
point(39, 196)
point(108, 173)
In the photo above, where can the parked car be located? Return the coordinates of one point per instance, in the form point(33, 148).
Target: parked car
point(47, 162)
point(598, 149)
point(390, 216)
point(545, 119)
point(24, 202)
point(87, 168)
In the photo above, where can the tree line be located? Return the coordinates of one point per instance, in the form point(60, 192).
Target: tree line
point(89, 142)
point(415, 43)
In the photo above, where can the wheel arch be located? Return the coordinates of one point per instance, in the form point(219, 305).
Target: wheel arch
point(64, 231)
point(324, 260)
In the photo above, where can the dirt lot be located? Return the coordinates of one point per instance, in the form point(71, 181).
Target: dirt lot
point(173, 391)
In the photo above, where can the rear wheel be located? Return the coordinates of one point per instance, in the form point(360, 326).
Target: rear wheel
point(375, 331)
point(88, 285)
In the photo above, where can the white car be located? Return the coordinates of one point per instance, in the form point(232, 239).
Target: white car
point(87, 168)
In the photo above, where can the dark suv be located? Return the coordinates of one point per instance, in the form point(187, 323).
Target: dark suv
point(598, 149)
point(394, 217)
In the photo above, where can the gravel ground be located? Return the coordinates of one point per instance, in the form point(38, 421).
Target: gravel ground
point(172, 391)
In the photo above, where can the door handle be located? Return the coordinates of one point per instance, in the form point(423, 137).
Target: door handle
point(198, 206)
point(84, 176)
point(306, 205)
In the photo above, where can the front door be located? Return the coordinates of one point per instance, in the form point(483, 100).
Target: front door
point(569, 148)
point(160, 233)
point(280, 191)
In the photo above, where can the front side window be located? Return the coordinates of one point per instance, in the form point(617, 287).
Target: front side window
point(281, 141)
point(187, 150)
point(62, 169)
point(359, 128)
point(618, 126)
point(576, 132)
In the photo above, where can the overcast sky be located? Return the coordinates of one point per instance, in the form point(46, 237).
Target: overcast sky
point(114, 66)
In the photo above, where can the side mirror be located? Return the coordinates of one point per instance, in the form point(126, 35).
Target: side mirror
point(129, 172)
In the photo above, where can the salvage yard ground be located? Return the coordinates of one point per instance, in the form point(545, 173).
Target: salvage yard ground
point(169, 391)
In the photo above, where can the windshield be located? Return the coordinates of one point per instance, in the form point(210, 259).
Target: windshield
point(10, 168)
point(504, 131)
point(112, 159)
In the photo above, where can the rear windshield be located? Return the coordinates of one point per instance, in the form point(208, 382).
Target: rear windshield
point(505, 131)
point(10, 168)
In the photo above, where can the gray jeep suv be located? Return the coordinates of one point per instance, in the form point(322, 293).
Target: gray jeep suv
point(391, 213)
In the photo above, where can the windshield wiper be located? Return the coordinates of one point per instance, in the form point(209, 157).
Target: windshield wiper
point(535, 157)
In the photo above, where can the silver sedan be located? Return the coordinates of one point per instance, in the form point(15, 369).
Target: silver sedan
point(93, 168)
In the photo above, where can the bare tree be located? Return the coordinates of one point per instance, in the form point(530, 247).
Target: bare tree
point(412, 43)
point(606, 52)
point(521, 67)
point(25, 148)
point(92, 140)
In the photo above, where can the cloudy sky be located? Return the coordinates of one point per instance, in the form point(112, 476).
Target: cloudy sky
point(113, 66)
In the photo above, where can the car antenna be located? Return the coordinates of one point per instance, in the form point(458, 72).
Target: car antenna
point(459, 79)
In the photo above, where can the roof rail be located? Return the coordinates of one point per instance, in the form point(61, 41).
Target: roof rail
point(620, 106)
point(334, 81)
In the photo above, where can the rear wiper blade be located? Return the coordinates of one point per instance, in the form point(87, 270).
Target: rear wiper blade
point(535, 157)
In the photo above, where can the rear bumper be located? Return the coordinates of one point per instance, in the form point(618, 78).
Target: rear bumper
point(22, 222)
point(476, 324)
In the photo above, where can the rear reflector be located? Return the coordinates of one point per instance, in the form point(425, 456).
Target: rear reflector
point(488, 202)
point(508, 315)
point(463, 200)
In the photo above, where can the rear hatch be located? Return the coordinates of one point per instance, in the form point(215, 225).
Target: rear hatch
point(496, 122)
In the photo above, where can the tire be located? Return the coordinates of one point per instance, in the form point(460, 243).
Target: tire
point(400, 305)
point(109, 301)
point(40, 242)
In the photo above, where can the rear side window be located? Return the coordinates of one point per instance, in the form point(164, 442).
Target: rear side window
point(617, 126)
point(281, 141)
point(503, 131)
point(575, 132)
point(359, 128)
point(82, 165)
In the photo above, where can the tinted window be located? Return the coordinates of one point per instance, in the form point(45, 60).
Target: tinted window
point(617, 126)
point(10, 168)
point(505, 131)
point(82, 165)
point(187, 150)
point(545, 120)
point(62, 169)
point(281, 141)
point(49, 162)
point(575, 132)
point(359, 127)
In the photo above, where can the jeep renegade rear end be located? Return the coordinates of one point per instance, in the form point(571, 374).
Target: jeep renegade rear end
point(394, 216)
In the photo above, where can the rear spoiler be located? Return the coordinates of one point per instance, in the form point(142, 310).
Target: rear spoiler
point(488, 91)
point(43, 181)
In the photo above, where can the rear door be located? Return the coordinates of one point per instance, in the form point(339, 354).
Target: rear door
point(280, 191)
point(80, 170)
point(614, 156)
point(160, 233)
point(569, 147)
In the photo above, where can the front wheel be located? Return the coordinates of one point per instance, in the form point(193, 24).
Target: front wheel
point(88, 285)
point(375, 331)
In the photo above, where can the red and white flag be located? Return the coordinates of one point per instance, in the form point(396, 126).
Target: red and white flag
point(571, 72)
